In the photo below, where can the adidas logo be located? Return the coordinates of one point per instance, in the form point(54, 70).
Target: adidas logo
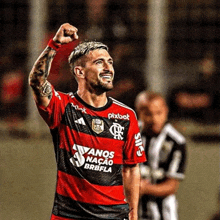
point(80, 121)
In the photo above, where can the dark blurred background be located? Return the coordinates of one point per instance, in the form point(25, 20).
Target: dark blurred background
point(171, 47)
point(168, 46)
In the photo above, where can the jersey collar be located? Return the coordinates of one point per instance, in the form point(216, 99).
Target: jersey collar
point(108, 104)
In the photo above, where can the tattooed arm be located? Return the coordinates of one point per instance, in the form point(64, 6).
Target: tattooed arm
point(40, 71)
point(38, 77)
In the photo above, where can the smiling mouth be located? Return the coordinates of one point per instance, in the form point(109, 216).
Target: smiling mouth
point(107, 77)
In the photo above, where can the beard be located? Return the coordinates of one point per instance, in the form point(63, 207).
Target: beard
point(100, 87)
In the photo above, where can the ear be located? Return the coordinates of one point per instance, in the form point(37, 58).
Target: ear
point(78, 70)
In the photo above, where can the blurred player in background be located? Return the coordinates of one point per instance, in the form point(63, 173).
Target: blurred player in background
point(96, 138)
point(165, 150)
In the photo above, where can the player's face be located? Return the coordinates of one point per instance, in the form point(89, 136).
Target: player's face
point(99, 71)
point(154, 115)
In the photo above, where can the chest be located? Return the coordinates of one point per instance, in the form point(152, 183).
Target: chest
point(96, 124)
point(158, 150)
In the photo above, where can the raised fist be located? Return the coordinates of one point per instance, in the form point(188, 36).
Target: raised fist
point(66, 34)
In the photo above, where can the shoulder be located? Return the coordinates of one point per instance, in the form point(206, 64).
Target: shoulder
point(123, 108)
point(174, 134)
point(61, 98)
point(62, 95)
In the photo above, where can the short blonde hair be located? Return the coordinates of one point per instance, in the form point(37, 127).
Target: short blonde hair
point(81, 50)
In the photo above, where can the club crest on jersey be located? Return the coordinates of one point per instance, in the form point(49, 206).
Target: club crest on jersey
point(165, 150)
point(97, 125)
point(117, 131)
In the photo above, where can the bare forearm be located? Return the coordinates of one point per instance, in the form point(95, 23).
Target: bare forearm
point(164, 189)
point(131, 177)
point(40, 72)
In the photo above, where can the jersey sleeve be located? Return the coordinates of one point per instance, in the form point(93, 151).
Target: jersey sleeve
point(52, 114)
point(133, 149)
point(177, 164)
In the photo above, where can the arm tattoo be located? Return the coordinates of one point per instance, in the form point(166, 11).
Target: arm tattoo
point(40, 72)
point(46, 90)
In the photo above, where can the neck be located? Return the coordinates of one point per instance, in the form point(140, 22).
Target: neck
point(93, 99)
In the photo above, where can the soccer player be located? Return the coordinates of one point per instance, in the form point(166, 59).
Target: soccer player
point(96, 139)
point(165, 150)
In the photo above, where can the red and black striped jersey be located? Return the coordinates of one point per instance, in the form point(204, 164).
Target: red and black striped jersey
point(91, 145)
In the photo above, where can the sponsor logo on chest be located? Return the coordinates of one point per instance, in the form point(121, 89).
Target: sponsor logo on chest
point(76, 107)
point(118, 116)
point(92, 159)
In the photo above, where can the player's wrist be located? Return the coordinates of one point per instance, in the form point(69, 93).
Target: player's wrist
point(54, 45)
